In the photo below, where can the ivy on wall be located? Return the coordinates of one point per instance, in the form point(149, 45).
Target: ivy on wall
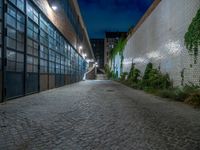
point(192, 37)
point(118, 48)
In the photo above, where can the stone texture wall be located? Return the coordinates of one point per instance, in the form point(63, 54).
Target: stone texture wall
point(160, 40)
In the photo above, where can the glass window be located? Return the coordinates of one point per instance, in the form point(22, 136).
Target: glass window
point(57, 58)
point(51, 67)
point(18, 3)
point(15, 61)
point(15, 29)
point(11, 33)
point(43, 52)
point(11, 55)
point(11, 11)
point(11, 43)
point(32, 13)
point(32, 30)
point(43, 66)
point(32, 64)
point(58, 68)
point(51, 55)
point(32, 47)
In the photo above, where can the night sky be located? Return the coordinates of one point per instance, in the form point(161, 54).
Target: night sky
point(111, 15)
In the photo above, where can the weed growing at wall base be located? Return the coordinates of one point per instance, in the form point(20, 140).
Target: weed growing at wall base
point(154, 82)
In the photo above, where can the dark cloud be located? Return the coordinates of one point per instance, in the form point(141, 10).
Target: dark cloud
point(114, 15)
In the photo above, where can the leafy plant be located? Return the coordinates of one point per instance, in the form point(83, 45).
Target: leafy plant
point(118, 47)
point(192, 37)
point(153, 78)
point(194, 99)
point(123, 76)
point(109, 73)
point(159, 84)
point(179, 94)
point(134, 74)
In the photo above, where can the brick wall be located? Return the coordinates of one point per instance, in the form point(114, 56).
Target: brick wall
point(159, 39)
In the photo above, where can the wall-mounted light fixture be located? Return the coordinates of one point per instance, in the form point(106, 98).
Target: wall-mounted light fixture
point(54, 7)
point(80, 47)
point(53, 4)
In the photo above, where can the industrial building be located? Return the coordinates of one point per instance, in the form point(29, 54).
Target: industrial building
point(44, 44)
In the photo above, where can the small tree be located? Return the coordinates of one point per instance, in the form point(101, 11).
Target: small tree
point(134, 74)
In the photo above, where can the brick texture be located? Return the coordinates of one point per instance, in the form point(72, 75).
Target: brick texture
point(159, 38)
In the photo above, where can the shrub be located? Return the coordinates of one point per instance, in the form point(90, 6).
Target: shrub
point(153, 78)
point(134, 74)
point(194, 99)
point(123, 76)
point(108, 72)
point(166, 93)
point(150, 90)
point(179, 94)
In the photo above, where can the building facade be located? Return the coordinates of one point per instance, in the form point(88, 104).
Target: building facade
point(39, 46)
point(159, 38)
point(98, 49)
point(111, 39)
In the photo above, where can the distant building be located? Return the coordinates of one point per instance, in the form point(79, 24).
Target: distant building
point(98, 49)
point(111, 39)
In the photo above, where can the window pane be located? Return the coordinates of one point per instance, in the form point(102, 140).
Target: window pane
point(11, 21)
point(11, 55)
point(20, 57)
point(11, 33)
point(20, 4)
point(11, 43)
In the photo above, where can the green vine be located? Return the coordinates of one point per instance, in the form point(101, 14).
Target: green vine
point(118, 47)
point(192, 37)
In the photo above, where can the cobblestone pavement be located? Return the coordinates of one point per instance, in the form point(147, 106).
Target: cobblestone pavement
point(98, 115)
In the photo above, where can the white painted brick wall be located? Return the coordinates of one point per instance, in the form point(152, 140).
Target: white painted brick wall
point(160, 39)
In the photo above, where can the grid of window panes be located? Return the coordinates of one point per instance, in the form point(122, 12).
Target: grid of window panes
point(44, 45)
point(62, 52)
point(76, 65)
point(79, 66)
point(58, 67)
point(52, 47)
point(15, 21)
point(18, 3)
point(72, 63)
point(32, 39)
point(69, 60)
point(65, 58)
point(58, 56)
